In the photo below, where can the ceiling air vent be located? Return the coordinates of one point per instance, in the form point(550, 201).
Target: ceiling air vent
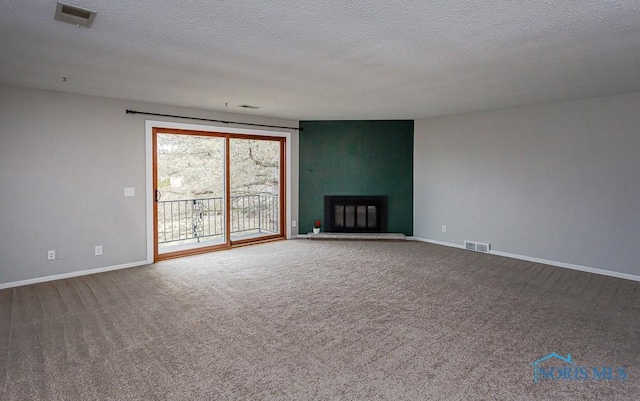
point(74, 15)
point(248, 106)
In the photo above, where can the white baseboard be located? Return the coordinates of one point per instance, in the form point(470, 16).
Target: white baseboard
point(71, 274)
point(432, 241)
point(571, 266)
point(449, 244)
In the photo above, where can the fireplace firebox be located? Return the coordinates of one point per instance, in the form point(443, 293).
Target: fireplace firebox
point(355, 214)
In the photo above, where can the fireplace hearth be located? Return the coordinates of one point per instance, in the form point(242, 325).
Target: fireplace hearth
point(355, 214)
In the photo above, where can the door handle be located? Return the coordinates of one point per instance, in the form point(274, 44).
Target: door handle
point(158, 195)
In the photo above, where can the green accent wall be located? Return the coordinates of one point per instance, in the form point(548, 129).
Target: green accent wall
point(357, 158)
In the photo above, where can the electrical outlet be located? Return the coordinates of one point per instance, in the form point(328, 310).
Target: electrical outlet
point(294, 223)
point(98, 250)
point(51, 255)
point(444, 229)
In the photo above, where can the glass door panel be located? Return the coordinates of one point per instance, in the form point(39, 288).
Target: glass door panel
point(190, 191)
point(255, 188)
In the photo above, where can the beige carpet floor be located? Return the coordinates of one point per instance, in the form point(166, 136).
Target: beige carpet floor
point(320, 320)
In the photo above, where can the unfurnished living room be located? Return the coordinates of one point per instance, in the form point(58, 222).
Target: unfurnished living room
point(319, 200)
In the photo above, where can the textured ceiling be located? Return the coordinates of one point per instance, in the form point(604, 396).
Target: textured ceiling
point(379, 59)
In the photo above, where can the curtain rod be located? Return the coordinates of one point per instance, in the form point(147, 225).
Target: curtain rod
point(208, 119)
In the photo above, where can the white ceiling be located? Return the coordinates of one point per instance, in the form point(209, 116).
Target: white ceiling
point(326, 59)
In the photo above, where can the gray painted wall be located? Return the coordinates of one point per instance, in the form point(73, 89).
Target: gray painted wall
point(555, 181)
point(64, 162)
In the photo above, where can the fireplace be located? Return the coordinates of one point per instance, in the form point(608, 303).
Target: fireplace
point(355, 214)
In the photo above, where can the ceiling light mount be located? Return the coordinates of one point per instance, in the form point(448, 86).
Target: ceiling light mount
point(75, 15)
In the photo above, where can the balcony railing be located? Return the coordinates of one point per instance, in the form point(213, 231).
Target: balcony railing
point(203, 218)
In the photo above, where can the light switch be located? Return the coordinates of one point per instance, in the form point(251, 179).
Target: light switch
point(129, 192)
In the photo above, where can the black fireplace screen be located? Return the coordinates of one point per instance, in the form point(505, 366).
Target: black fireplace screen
point(355, 214)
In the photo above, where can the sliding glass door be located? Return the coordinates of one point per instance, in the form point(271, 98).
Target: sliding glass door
point(190, 191)
point(255, 174)
point(215, 190)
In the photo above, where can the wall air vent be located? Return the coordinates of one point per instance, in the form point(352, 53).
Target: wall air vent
point(248, 106)
point(74, 15)
point(482, 247)
point(477, 246)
